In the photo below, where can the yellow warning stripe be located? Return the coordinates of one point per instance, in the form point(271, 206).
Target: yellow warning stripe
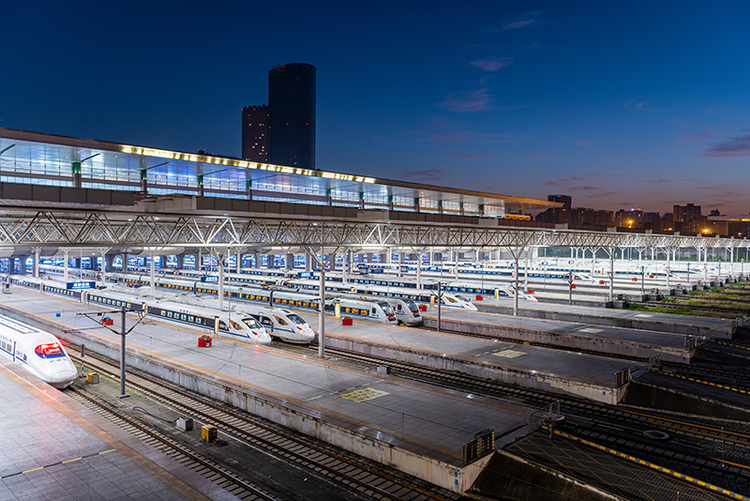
point(56, 464)
point(656, 467)
point(732, 345)
point(701, 381)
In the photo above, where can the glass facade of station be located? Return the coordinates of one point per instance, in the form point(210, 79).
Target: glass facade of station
point(43, 159)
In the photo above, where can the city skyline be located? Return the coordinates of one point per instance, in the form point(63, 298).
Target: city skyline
point(619, 106)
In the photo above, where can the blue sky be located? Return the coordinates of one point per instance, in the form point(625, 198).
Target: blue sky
point(619, 104)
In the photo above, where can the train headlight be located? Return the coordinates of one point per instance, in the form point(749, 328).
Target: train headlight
point(49, 350)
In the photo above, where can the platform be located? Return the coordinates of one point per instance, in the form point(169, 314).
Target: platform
point(404, 425)
point(627, 343)
point(702, 327)
point(55, 448)
point(583, 375)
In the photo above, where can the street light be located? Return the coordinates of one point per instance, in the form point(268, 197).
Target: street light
point(440, 300)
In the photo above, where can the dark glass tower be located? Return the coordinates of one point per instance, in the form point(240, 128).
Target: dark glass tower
point(291, 98)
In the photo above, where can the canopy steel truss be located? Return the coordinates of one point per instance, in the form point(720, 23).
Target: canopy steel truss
point(65, 229)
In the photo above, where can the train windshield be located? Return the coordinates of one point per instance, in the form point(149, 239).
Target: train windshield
point(387, 309)
point(296, 319)
point(449, 299)
point(411, 305)
point(251, 323)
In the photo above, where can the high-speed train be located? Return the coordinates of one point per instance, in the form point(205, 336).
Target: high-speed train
point(404, 301)
point(280, 323)
point(498, 290)
point(372, 309)
point(238, 325)
point(37, 351)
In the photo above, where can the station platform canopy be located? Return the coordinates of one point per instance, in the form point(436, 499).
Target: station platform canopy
point(53, 160)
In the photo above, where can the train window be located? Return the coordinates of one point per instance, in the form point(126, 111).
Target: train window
point(374, 311)
point(169, 314)
point(266, 321)
point(190, 318)
point(222, 325)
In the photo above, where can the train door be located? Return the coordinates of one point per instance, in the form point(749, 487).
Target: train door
point(13, 351)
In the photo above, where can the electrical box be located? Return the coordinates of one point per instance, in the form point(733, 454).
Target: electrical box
point(384, 370)
point(93, 378)
point(208, 433)
point(185, 423)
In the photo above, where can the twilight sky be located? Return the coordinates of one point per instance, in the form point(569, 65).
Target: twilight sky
point(619, 104)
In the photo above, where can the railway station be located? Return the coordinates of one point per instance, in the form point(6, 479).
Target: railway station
point(81, 212)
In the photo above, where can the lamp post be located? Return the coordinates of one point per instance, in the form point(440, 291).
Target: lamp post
point(440, 300)
point(570, 287)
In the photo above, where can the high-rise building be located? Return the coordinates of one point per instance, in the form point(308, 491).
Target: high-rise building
point(283, 133)
point(687, 213)
point(291, 97)
point(566, 200)
point(256, 128)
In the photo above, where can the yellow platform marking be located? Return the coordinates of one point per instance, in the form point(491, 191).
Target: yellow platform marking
point(363, 394)
point(701, 381)
point(66, 461)
point(509, 353)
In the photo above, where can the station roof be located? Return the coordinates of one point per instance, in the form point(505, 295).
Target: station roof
point(49, 158)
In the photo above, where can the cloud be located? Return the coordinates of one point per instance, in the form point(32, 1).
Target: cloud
point(467, 102)
point(491, 64)
point(583, 142)
point(697, 137)
point(521, 21)
point(732, 147)
point(431, 176)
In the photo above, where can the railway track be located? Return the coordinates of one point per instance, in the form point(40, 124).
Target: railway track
point(705, 450)
point(201, 465)
point(347, 471)
point(739, 378)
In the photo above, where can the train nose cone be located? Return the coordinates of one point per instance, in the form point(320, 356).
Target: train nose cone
point(62, 379)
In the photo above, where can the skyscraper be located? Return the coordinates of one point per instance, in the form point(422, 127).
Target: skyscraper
point(256, 128)
point(291, 97)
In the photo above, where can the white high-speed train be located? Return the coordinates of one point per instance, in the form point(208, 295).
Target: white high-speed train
point(372, 309)
point(236, 324)
point(280, 323)
point(239, 325)
point(407, 294)
point(37, 351)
